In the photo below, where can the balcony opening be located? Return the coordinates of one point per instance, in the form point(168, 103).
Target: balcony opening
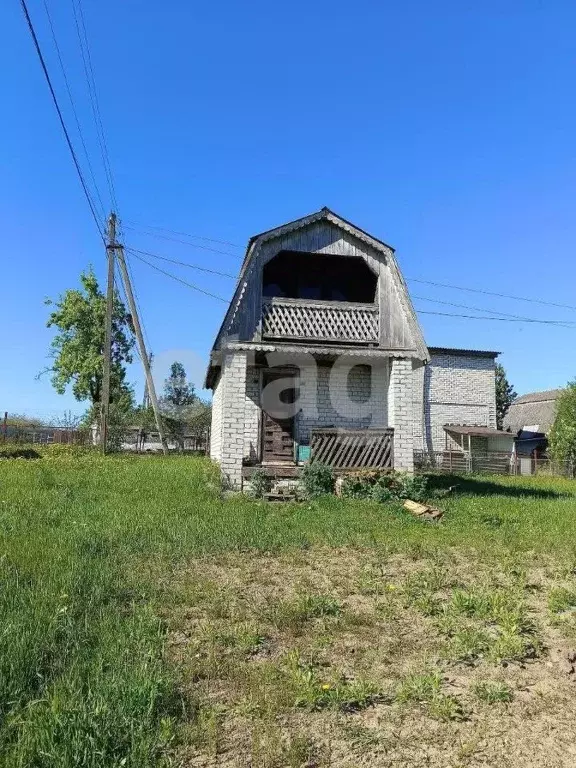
point(319, 276)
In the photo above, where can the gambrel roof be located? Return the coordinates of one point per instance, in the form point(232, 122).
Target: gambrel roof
point(260, 248)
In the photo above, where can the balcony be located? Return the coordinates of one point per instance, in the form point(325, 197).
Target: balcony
point(320, 321)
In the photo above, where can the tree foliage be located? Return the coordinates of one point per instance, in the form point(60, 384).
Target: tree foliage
point(562, 437)
point(178, 391)
point(505, 395)
point(182, 410)
point(76, 350)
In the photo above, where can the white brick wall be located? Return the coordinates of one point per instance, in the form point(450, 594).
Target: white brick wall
point(252, 414)
point(417, 401)
point(342, 396)
point(216, 427)
point(452, 389)
point(233, 416)
point(401, 413)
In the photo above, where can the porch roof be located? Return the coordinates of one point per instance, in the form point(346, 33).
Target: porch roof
point(318, 351)
point(461, 429)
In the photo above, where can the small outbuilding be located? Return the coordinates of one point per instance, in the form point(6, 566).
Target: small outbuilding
point(530, 419)
point(477, 448)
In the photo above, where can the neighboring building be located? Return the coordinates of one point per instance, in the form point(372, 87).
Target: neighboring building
point(321, 305)
point(530, 419)
point(534, 412)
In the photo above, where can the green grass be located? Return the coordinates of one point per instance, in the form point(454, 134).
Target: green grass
point(493, 692)
point(88, 552)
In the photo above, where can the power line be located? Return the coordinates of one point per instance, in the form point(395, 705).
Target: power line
point(93, 95)
point(565, 323)
point(75, 113)
point(182, 263)
point(184, 242)
point(479, 317)
point(140, 228)
point(60, 117)
point(490, 293)
point(179, 280)
point(184, 234)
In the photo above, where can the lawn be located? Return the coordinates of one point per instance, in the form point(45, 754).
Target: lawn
point(147, 621)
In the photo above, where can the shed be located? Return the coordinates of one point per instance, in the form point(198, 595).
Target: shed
point(478, 439)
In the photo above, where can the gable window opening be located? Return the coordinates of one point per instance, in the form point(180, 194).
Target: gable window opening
point(319, 277)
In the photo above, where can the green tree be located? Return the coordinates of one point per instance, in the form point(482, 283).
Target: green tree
point(76, 350)
point(182, 410)
point(562, 437)
point(505, 395)
point(178, 392)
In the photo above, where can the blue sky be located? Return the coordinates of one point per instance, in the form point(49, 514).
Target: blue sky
point(446, 129)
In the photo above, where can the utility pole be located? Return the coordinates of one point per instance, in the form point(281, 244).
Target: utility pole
point(111, 246)
point(146, 398)
point(141, 346)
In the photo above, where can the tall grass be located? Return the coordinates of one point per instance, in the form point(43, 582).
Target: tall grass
point(87, 543)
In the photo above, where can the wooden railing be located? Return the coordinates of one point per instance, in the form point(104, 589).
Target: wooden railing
point(353, 448)
point(332, 321)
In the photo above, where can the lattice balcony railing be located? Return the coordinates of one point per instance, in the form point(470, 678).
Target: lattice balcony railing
point(319, 321)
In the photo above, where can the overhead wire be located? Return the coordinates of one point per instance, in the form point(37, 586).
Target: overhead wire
point(183, 234)
point(140, 228)
point(423, 312)
point(565, 323)
point(61, 118)
point(179, 280)
point(479, 317)
point(491, 293)
point(102, 210)
point(93, 95)
point(184, 242)
point(182, 263)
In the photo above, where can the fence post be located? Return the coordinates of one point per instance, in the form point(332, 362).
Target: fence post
point(5, 426)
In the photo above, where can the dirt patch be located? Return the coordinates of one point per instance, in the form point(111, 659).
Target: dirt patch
point(349, 657)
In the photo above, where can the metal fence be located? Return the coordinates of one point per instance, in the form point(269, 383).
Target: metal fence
point(44, 435)
point(493, 463)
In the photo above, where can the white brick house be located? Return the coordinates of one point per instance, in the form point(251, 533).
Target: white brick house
point(321, 340)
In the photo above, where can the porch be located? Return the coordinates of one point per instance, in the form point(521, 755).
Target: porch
point(341, 449)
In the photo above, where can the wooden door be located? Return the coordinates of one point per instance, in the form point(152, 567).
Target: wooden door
point(278, 428)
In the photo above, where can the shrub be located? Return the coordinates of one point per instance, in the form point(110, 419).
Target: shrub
point(317, 479)
point(260, 483)
point(384, 485)
point(18, 452)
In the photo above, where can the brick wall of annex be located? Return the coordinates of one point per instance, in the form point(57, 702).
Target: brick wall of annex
point(452, 389)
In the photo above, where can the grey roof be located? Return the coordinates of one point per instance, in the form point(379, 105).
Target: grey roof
point(462, 352)
point(536, 409)
point(461, 429)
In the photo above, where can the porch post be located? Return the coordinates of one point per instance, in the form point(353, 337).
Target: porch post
point(401, 413)
point(233, 416)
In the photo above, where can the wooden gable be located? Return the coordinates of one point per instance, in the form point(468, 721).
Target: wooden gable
point(325, 232)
